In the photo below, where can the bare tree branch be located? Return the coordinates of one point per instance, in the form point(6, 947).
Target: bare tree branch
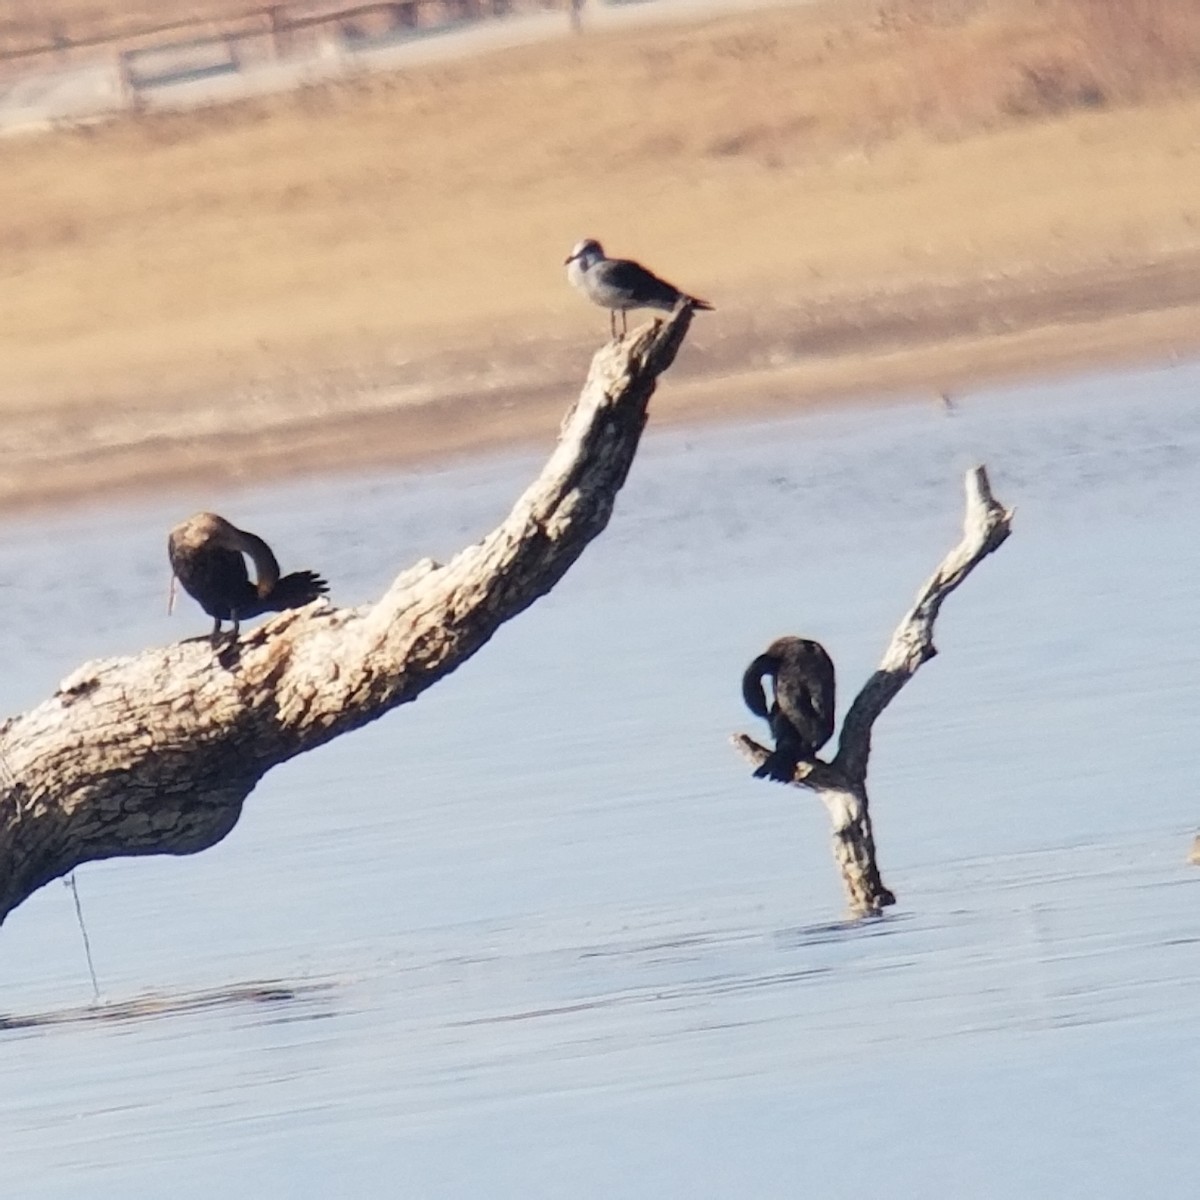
point(985, 528)
point(841, 784)
point(155, 754)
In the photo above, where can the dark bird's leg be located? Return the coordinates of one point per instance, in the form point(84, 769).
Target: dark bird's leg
point(624, 322)
point(612, 323)
point(228, 638)
point(229, 653)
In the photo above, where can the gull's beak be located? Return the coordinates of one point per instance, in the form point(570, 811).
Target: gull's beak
point(570, 259)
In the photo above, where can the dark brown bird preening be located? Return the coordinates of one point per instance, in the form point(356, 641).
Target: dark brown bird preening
point(208, 558)
point(801, 715)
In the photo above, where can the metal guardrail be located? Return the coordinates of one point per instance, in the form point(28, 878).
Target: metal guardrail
point(60, 47)
point(95, 77)
point(276, 21)
point(363, 26)
point(254, 52)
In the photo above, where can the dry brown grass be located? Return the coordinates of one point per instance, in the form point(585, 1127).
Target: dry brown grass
point(1105, 52)
point(761, 159)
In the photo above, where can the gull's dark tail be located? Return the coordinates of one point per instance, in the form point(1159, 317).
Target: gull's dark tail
point(294, 591)
point(702, 305)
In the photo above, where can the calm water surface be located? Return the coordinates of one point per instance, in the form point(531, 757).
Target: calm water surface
point(539, 934)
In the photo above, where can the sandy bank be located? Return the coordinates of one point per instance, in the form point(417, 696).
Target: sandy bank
point(910, 345)
point(371, 272)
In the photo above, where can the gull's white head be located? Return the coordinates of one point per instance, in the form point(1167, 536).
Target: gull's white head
point(585, 253)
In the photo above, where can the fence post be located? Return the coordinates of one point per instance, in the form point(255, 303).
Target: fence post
point(276, 25)
point(126, 84)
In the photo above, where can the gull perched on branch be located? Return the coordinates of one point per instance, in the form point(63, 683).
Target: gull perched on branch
point(620, 284)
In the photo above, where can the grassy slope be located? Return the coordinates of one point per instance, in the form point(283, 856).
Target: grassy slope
point(754, 158)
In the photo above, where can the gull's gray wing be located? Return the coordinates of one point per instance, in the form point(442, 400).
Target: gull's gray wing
point(631, 281)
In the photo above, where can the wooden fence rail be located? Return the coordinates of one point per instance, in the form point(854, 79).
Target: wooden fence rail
point(279, 23)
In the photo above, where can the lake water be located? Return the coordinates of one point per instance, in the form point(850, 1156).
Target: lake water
point(540, 935)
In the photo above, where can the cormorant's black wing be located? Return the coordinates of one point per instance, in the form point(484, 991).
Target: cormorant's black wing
point(805, 692)
point(215, 578)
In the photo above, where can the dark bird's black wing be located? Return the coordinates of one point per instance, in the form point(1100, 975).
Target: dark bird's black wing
point(805, 693)
point(215, 578)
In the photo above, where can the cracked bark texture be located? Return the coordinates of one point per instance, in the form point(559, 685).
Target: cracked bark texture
point(155, 754)
point(841, 783)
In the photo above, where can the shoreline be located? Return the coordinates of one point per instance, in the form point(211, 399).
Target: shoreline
point(870, 349)
point(368, 274)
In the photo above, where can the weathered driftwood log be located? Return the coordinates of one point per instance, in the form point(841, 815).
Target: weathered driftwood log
point(841, 784)
point(155, 754)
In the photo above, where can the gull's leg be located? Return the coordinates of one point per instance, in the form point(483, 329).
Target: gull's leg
point(612, 323)
point(624, 322)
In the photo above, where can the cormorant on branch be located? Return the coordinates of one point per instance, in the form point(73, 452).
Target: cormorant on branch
point(206, 554)
point(801, 715)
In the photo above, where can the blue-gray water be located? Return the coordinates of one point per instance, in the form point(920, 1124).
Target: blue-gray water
point(564, 946)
